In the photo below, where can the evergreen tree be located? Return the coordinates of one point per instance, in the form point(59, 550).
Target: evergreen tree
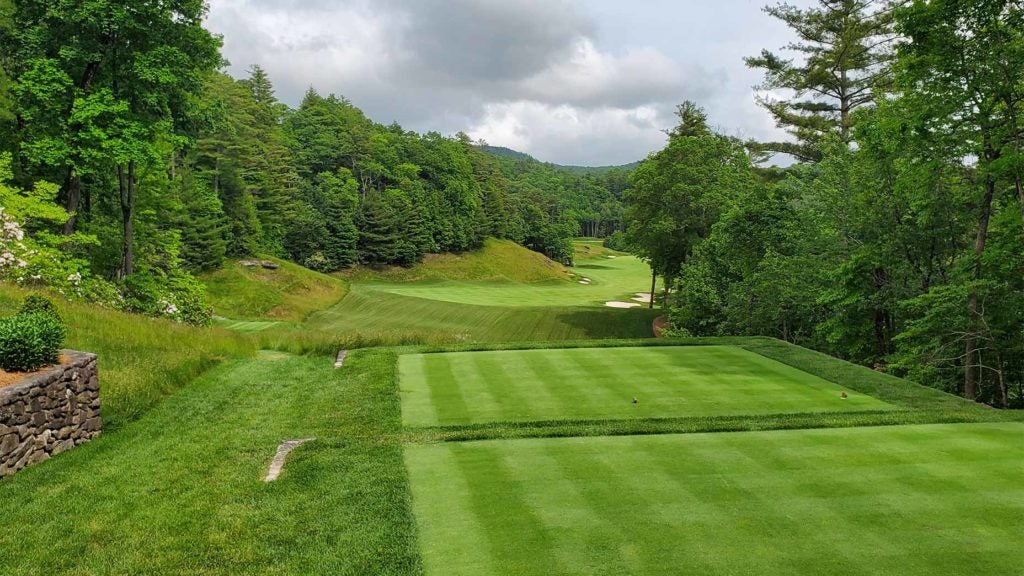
point(843, 57)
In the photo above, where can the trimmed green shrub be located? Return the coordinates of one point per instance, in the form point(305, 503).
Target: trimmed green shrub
point(36, 304)
point(30, 341)
point(617, 241)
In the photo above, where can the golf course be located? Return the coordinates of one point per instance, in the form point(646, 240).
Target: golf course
point(520, 288)
point(526, 433)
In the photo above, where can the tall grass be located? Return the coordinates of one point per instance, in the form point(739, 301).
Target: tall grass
point(290, 293)
point(141, 360)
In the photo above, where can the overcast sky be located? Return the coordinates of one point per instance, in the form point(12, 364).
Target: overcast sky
point(589, 82)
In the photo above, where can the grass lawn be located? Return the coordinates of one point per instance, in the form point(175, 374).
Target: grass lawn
point(909, 500)
point(596, 383)
point(386, 318)
point(610, 279)
point(180, 491)
point(496, 260)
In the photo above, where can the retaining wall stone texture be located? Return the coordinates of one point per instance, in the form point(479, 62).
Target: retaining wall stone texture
point(49, 412)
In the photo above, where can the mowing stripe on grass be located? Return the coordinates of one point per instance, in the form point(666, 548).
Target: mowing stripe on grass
point(461, 388)
point(911, 500)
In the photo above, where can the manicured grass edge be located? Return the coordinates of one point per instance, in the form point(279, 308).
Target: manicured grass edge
point(918, 404)
point(696, 425)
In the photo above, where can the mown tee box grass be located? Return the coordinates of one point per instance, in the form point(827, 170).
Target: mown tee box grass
point(596, 383)
point(935, 500)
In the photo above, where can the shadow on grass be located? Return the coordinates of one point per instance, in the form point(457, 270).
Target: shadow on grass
point(612, 323)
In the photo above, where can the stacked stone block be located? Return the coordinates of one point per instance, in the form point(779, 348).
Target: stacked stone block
point(49, 412)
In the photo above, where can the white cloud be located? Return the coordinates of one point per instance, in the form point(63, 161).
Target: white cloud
point(568, 134)
point(591, 77)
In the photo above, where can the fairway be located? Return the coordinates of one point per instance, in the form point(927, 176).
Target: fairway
point(597, 383)
point(609, 279)
point(367, 310)
point(914, 500)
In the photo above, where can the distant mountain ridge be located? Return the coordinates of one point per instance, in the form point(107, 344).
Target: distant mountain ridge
point(504, 152)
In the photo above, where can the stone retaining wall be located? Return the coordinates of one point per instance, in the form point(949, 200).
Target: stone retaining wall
point(49, 412)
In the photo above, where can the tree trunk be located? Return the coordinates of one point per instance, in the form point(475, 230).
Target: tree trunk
point(654, 283)
point(881, 278)
point(971, 341)
point(126, 186)
point(1020, 195)
point(72, 201)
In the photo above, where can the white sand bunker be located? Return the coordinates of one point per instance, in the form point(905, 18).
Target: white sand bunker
point(622, 304)
point(585, 281)
point(611, 257)
point(644, 297)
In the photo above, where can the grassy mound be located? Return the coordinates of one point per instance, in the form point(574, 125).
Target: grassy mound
point(497, 260)
point(142, 360)
point(289, 293)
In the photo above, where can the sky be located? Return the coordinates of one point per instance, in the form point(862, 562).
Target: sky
point(580, 82)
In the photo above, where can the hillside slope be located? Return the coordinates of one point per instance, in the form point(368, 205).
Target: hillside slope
point(141, 359)
point(289, 293)
point(496, 260)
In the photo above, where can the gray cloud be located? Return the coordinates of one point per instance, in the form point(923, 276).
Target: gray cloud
point(568, 81)
point(468, 42)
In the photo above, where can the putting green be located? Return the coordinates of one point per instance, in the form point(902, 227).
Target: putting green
point(910, 500)
point(597, 383)
point(609, 279)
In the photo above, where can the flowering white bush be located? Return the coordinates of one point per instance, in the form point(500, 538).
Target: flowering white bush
point(12, 246)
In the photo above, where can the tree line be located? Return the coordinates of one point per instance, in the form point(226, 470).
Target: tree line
point(897, 238)
point(131, 162)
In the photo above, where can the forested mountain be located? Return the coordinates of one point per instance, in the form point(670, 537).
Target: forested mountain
point(898, 241)
point(504, 152)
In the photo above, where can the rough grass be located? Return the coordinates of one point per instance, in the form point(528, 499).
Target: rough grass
point(141, 360)
point(370, 317)
point(180, 491)
point(593, 383)
point(289, 293)
point(496, 260)
point(913, 500)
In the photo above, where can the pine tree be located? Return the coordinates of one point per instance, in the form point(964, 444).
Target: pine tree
point(844, 53)
point(378, 236)
point(203, 226)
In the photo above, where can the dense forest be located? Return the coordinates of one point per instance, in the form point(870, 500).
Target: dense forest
point(132, 161)
point(897, 239)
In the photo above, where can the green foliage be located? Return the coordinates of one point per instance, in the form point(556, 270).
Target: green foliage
point(843, 56)
point(30, 341)
point(36, 304)
point(179, 297)
point(678, 193)
point(617, 242)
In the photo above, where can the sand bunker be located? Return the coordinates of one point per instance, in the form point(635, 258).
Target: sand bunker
point(622, 304)
point(644, 297)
